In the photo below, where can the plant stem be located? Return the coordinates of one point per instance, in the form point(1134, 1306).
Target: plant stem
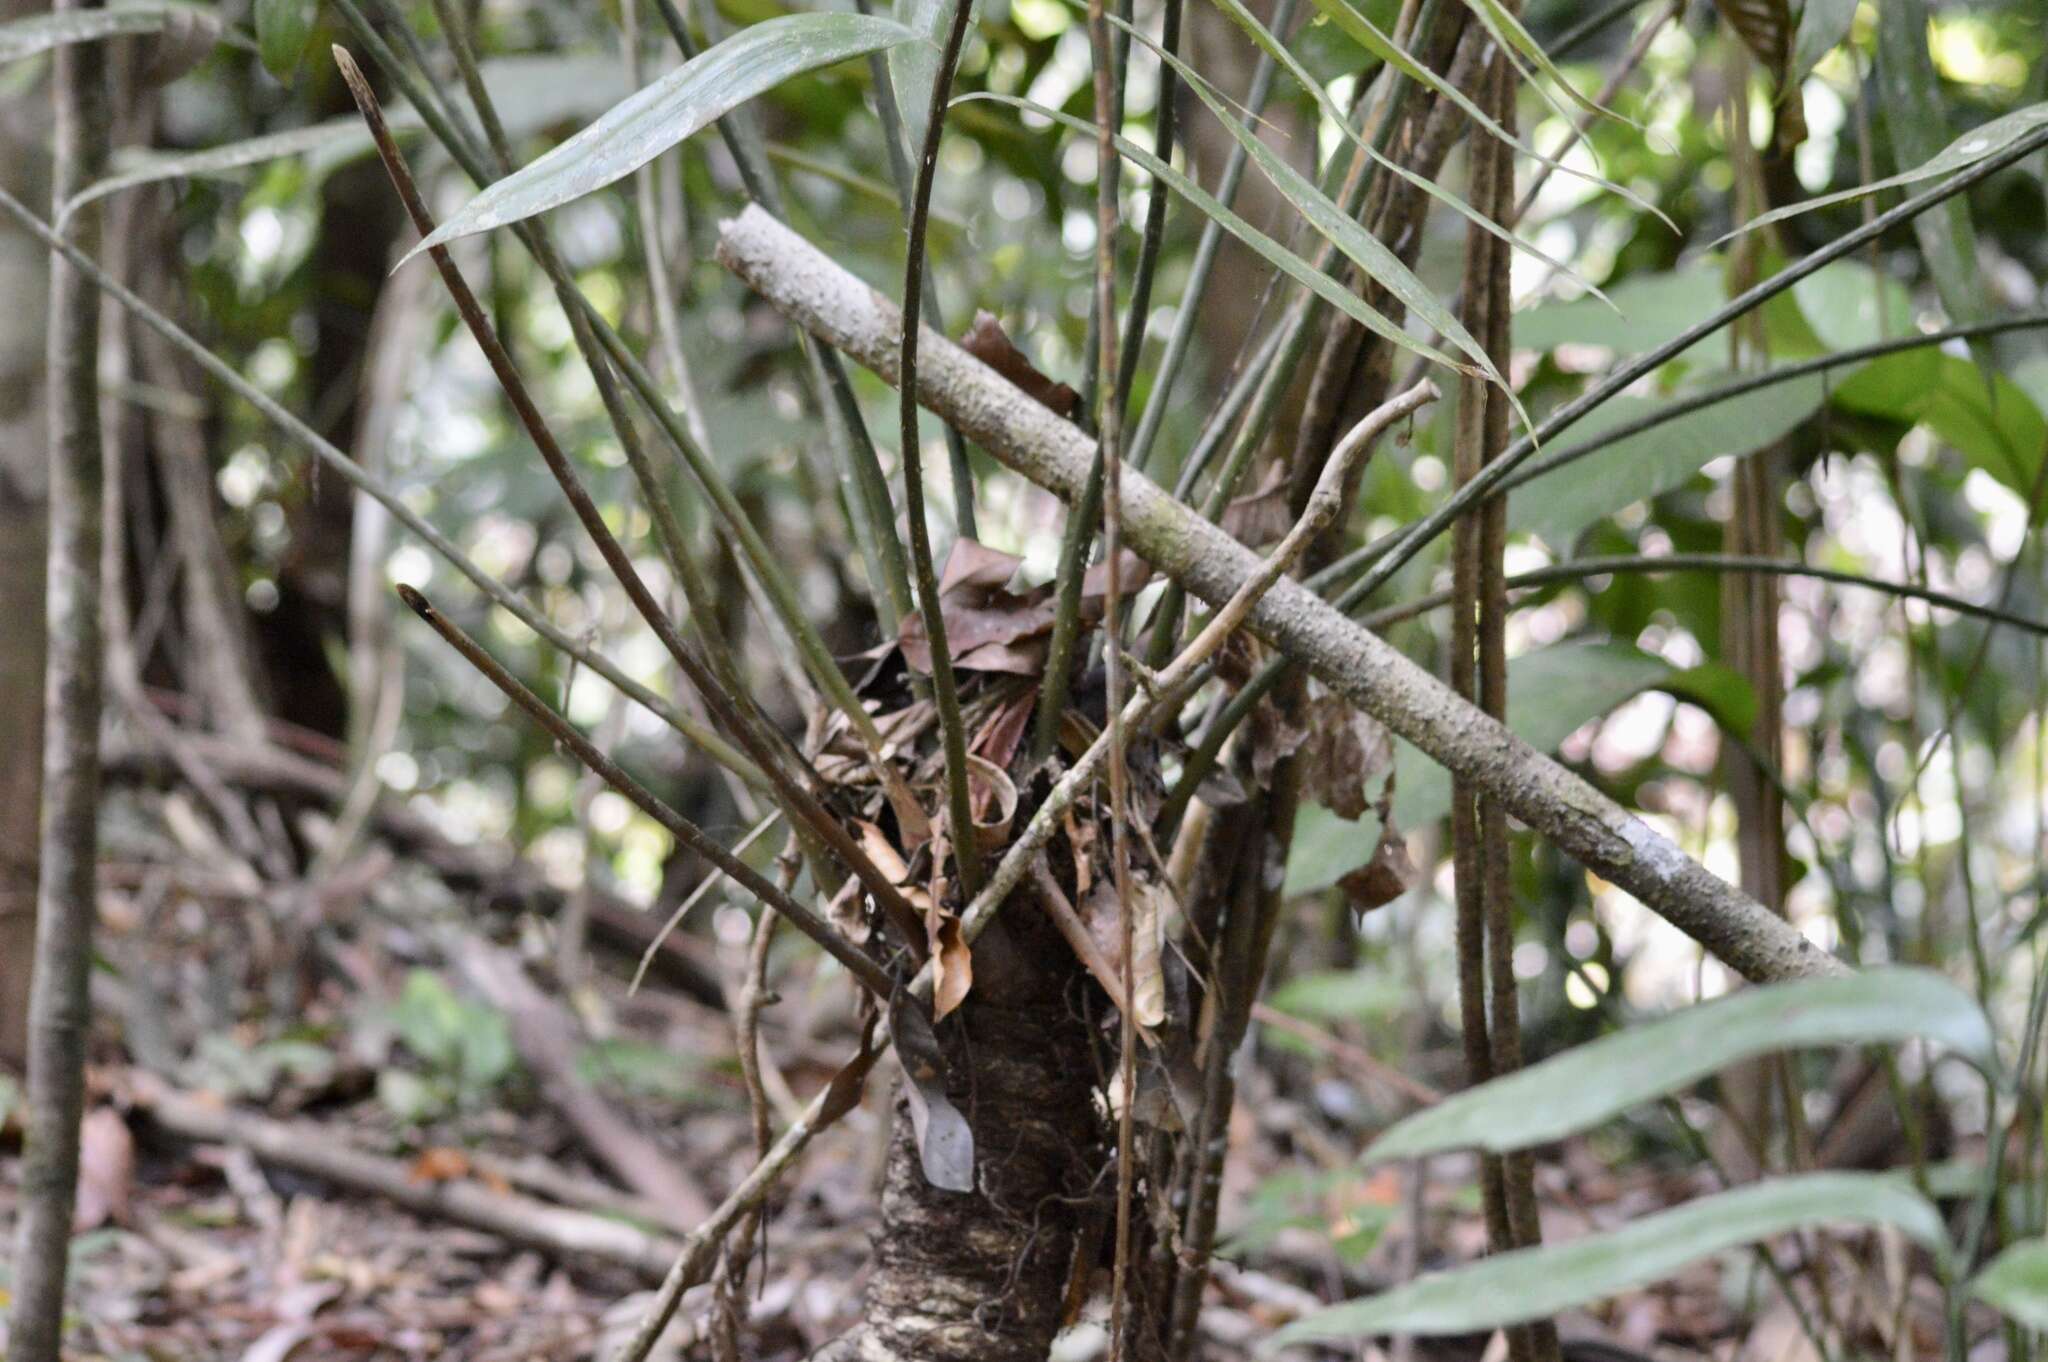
point(60, 1007)
point(1496, 473)
point(945, 686)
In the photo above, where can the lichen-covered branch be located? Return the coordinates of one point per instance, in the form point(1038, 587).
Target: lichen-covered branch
point(836, 307)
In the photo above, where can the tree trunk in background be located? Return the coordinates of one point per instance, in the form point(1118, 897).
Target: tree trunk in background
point(60, 1013)
point(24, 484)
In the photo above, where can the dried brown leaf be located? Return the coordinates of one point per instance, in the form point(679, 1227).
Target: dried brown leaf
point(988, 342)
point(952, 963)
point(106, 1170)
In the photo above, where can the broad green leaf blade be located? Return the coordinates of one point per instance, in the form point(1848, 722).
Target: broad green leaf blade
point(1359, 246)
point(1587, 1085)
point(2016, 1284)
point(1823, 26)
point(40, 32)
point(1916, 115)
point(1996, 427)
point(1644, 313)
point(1326, 848)
point(1551, 693)
point(1363, 31)
point(1961, 154)
point(687, 99)
point(1535, 1283)
point(1286, 261)
point(283, 27)
point(1559, 504)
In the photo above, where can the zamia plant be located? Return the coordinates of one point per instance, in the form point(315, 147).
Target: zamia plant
point(1053, 872)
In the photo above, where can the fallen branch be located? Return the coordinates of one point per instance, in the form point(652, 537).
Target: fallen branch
point(830, 303)
point(545, 1035)
point(307, 1149)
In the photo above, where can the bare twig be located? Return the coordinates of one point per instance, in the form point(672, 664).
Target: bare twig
point(698, 1252)
point(545, 1035)
point(1352, 1056)
point(306, 1148)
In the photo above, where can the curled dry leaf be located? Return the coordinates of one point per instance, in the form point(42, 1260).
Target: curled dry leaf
point(1343, 750)
point(992, 627)
point(106, 1170)
point(988, 342)
point(1150, 902)
point(993, 797)
point(1387, 876)
point(952, 963)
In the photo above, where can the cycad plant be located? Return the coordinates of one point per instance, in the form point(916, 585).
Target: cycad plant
point(1043, 827)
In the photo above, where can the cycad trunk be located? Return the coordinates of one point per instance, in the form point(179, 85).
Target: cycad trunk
point(982, 1276)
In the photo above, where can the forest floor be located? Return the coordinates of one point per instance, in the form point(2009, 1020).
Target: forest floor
point(274, 1064)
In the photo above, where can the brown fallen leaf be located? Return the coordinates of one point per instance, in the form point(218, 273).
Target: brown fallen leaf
point(440, 1163)
point(988, 342)
point(106, 1170)
point(952, 963)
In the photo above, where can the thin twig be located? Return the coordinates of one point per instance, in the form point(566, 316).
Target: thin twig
point(695, 1259)
point(1578, 569)
point(871, 975)
point(704, 886)
point(945, 686)
point(1109, 459)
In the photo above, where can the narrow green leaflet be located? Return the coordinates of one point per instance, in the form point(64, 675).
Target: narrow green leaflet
point(283, 27)
point(1916, 116)
point(1823, 26)
point(1535, 1283)
point(687, 99)
point(1286, 261)
point(1370, 37)
point(1361, 247)
point(1961, 154)
point(1559, 504)
point(1585, 1086)
point(41, 32)
point(1507, 30)
point(914, 66)
point(142, 165)
point(2016, 1284)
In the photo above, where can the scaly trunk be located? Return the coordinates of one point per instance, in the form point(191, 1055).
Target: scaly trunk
point(982, 1276)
